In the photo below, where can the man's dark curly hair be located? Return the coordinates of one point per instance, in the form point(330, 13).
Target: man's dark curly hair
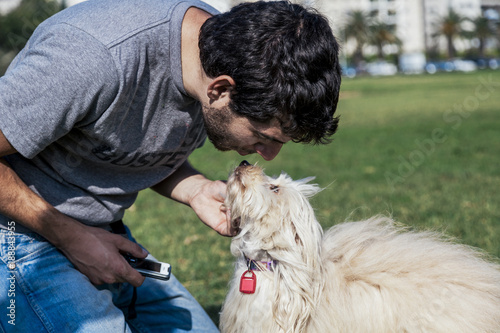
point(284, 61)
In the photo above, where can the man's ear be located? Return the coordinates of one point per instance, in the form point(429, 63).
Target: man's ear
point(220, 88)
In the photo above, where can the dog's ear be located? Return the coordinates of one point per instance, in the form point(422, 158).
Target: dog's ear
point(308, 190)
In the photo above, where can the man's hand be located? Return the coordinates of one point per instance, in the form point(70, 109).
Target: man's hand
point(97, 254)
point(208, 203)
point(204, 196)
point(94, 252)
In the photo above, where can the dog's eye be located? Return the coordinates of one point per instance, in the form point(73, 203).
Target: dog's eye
point(274, 188)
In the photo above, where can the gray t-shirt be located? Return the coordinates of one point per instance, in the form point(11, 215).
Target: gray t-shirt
point(96, 107)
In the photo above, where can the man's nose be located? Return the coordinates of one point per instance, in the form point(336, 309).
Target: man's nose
point(269, 151)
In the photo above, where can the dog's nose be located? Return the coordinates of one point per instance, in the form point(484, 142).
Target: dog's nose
point(244, 163)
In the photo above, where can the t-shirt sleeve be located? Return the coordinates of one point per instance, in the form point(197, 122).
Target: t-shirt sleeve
point(63, 78)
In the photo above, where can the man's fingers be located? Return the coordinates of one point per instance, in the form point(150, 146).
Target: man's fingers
point(98, 255)
point(129, 247)
point(132, 276)
point(129, 274)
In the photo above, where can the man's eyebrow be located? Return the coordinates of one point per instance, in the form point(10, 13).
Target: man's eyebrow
point(268, 137)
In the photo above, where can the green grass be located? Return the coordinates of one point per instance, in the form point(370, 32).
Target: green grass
point(424, 149)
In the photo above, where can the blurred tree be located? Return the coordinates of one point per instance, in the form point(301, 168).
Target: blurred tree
point(382, 34)
point(17, 26)
point(483, 29)
point(357, 28)
point(450, 26)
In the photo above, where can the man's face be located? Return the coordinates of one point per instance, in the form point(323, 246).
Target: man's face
point(228, 131)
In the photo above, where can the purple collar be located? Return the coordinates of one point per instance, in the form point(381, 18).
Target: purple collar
point(257, 265)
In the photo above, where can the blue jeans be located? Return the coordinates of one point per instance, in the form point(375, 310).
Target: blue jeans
point(45, 293)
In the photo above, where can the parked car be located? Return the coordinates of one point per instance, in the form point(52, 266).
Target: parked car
point(433, 67)
point(485, 63)
point(464, 65)
point(349, 71)
point(412, 63)
point(381, 68)
point(459, 65)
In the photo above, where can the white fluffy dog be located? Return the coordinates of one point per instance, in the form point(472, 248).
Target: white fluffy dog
point(368, 277)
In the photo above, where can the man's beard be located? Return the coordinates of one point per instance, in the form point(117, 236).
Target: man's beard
point(217, 123)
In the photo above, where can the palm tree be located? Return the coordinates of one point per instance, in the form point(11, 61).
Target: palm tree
point(382, 34)
point(358, 28)
point(450, 26)
point(17, 26)
point(483, 29)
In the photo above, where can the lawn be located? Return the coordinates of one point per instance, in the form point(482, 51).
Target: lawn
point(423, 149)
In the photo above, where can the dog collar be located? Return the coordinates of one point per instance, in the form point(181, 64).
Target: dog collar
point(257, 265)
point(248, 281)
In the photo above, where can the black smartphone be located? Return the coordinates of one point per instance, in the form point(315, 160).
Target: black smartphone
point(150, 267)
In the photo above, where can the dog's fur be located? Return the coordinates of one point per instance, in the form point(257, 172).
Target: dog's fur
point(369, 276)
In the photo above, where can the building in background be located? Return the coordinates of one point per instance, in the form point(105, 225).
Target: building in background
point(415, 22)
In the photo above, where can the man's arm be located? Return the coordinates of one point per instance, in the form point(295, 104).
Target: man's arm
point(93, 251)
point(5, 146)
point(205, 197)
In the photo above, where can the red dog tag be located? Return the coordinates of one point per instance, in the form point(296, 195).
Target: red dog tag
point(248, 283)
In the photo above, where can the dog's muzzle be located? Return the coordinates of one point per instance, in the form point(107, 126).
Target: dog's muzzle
point(244, 164)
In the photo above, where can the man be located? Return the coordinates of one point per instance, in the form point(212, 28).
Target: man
point(109, 98)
